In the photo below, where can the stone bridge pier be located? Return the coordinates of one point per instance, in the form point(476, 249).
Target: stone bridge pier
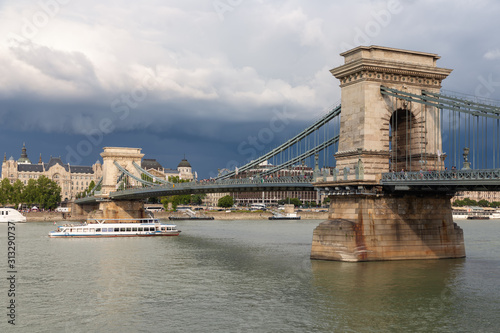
point(385, 134)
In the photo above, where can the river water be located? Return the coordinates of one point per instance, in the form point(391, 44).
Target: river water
point(243, 276)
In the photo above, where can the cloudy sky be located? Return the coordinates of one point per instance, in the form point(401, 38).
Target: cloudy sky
point(201, 77)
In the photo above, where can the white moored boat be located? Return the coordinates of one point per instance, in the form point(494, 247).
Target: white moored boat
point(102, 228)
point(11, 215)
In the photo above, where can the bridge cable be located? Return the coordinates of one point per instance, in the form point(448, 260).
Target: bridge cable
point(140, 169)
point(283, 147)
point(132, 175)
point(301, 157)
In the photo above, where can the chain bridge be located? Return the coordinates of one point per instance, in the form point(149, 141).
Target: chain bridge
point(390, 157)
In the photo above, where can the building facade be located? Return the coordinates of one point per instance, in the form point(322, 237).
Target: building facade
point(184, 170)
point(72, 179)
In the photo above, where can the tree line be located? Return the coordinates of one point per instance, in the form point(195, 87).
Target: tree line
point(43, 192)
point(480, 203)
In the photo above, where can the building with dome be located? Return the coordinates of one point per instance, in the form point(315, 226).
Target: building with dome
point(72, 179)
point(184, 170)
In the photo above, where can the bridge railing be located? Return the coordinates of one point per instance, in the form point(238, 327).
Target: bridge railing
point(256, 180)
point(451, 175)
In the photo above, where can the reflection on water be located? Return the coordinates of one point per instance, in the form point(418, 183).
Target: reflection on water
point(247, 276)
point(411, 296)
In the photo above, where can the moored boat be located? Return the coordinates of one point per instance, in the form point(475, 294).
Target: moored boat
point(289, 216)
point(141, 228)
point(11, 215)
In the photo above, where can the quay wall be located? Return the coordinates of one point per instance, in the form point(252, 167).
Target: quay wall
point(55, 216)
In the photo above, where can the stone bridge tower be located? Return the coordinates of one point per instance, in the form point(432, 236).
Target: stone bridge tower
point(112, 211)
point(383, 134)
point(125, 157)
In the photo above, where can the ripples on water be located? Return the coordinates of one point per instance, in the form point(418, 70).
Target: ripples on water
point(245, 276)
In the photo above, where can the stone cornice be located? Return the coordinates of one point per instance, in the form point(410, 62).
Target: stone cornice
point(380, 70)
point(361, 153)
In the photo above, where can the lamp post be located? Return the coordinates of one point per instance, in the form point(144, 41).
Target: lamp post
point(466, 159)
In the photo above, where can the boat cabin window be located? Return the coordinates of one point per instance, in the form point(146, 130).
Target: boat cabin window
point(129, 229)
point(98, 229)
point(117, 229)
point(79, 229)
point(92, 230)
point(134, 229)
point(140, 229)
point(122, 229)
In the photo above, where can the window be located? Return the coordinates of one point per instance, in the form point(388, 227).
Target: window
point(117, 229)
point(134, 229)
point(97, 229)
point(122, 229)
point(129, 229)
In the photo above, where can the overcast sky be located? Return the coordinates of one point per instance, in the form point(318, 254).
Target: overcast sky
point(198, 78)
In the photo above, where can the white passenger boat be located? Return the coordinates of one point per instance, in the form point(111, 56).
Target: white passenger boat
point(103, 228)
point(495, 215)
point(289, 216)
point(11, 215)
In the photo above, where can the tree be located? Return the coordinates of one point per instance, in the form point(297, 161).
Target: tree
point(176, 200)
point(49, 193)
point(17, 193)
point(176, 179)
point(296, 202)
point(483, 203)
point(30, 192)
point(226, 201)
point(197, 199)
point(5, 191)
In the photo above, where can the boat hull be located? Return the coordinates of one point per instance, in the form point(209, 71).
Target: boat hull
point(176, 218)
point(106, 236)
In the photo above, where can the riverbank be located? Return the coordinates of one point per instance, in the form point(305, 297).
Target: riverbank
point(57, 217)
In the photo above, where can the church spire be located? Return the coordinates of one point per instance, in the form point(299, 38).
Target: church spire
point(5, 157)
point(24, 156)
point(40, 159)
point(23, 151)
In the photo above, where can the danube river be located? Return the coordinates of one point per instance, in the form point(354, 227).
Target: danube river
point(242, 276)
